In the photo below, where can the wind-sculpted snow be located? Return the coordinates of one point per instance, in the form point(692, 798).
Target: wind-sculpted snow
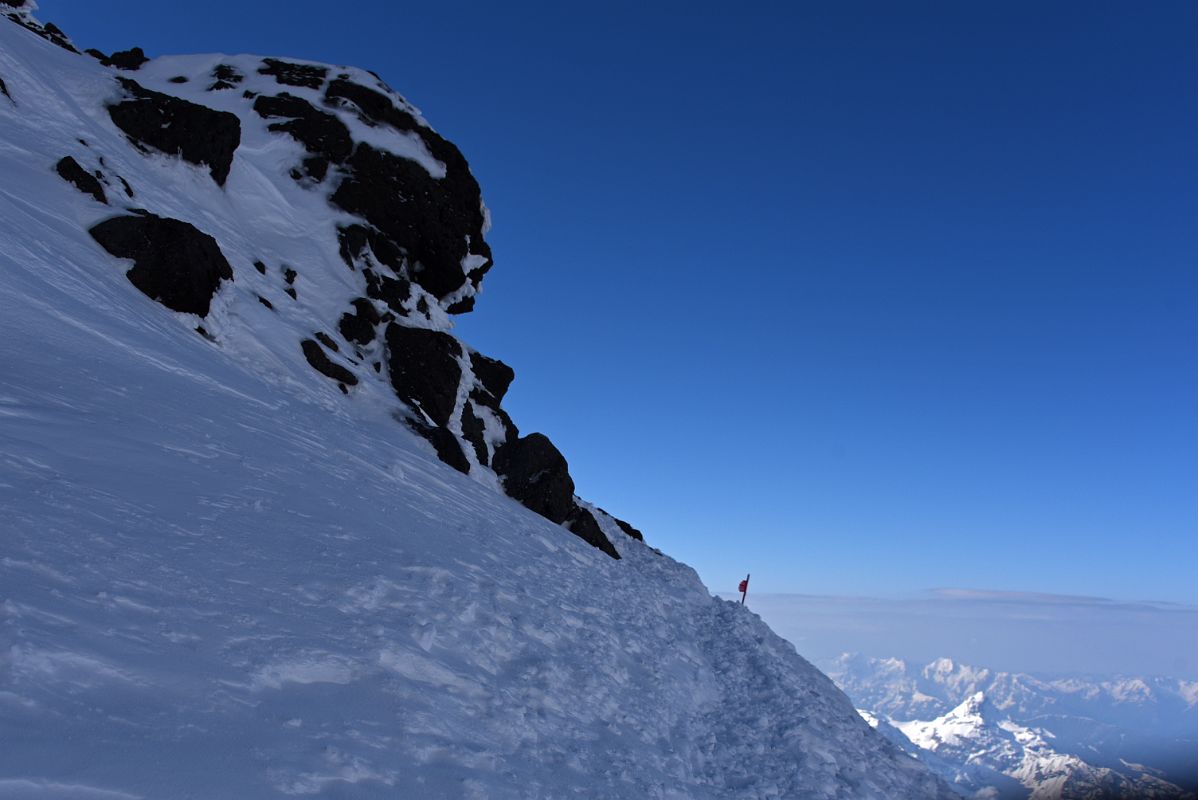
point(224, 575)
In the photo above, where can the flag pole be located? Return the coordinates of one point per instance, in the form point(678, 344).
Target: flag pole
point(744, 592)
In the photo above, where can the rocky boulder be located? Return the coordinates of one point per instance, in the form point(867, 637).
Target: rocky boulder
point(424, 369)
point(536, 474)
point(174, 262)
point(69, 170)
point(195, 133)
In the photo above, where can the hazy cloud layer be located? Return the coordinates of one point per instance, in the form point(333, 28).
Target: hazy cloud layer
point(1014, 631)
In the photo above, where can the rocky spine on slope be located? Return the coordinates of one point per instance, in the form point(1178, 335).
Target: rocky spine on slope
point(417, 249)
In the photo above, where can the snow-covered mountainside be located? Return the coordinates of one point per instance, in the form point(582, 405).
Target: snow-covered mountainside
point(265, 529)
point(1012, 735)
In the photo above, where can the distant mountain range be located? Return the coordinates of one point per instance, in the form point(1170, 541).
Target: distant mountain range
point(1011, 735)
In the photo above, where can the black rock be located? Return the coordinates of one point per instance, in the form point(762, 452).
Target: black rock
point(195, 133)
point(327, 341)
point(266, 302)
point(582, 524)
point(424, 369)
point(290, 74)
point(50, 32)
point(228, 73)
point(316, 167)
point(321, 363)
point(290, 291)
point(319, 132)
point(289, 275)
point(174, 263)
point(537, 475)
point(179, 79)
point(130, 59)
point(69, 170)
point(474, 431)
point(435, 222)
point(445, 443)
point(128, 188)
point(483, 398)
point(4, 91)
point(628, 529)
point(359, 326)
point(463, 306)
point(493, 374)
point(419, 214)
point(258, 265)
point(352, 241)
point(392, 291)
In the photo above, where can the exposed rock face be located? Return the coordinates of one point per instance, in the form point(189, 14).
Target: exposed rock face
point(18, 12)
point(536, 473)
point(70, 171)
point(321, 363)
point(475, 433)
point(448, 448)
point(424, 369)
point(493, 374)
point(294, 74)
point(321, 134)
point(629, 529)
point(193, 132)
point(4, 90)
point(130, 59)
point(436, 222)
point(174, 263)
point(359, 327)
point(582, 524)
point(410, 231)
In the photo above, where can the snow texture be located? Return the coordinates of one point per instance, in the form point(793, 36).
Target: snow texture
point(220, 577)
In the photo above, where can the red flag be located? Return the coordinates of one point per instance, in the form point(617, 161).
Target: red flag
point(744, 586)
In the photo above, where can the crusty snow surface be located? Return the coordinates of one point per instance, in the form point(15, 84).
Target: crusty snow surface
point(221, 578)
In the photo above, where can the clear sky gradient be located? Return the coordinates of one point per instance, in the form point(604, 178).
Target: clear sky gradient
point(859, 297)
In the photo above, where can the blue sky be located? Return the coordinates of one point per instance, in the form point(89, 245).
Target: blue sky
point(862, 298)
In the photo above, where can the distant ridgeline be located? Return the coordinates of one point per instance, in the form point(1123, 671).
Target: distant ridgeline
point(405, 224)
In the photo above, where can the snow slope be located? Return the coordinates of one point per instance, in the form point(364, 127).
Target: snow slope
point(222, 577)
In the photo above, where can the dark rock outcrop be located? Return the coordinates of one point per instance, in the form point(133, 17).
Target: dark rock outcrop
point(628, 529)
point(359, 326)
point(309, 76)
point(445, 443)
point(226, 77)
point(536, 474)
point(493, 374)
point(321, 133)
point(322, 364)
point(582, 524)
point(327, 341)
point(4, 91)
point(174, 262)
point(49, 31)
point(195, 133)
point(485, 399)
point(130, 59)
point(474, 431)
point(392, 291)
point(70, 171)
point(424, 369)
point(435, 222)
